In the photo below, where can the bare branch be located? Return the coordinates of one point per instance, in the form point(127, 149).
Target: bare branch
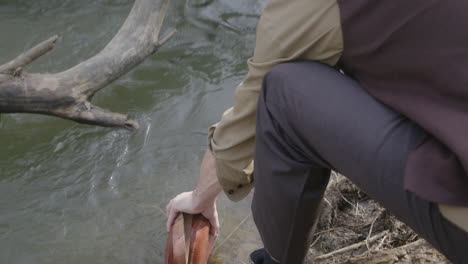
point(67, 94)
point(166, 38)
point(29, 56)
point(5, 77)
point(160, 21)
point(136, 39)
point(87, 113)
point(351, 247)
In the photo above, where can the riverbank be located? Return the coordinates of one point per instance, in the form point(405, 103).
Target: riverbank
point(353, 229)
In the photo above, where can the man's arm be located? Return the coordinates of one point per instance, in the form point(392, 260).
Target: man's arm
point(202, 199)
point(287, 31)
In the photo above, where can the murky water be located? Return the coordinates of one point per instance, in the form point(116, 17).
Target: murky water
point(73, 193)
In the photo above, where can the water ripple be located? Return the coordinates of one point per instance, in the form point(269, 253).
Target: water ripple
point(71, 193)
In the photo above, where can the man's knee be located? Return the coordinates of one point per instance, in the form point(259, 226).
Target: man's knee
point(276, 85)
point(281, 77)
point(287, 81)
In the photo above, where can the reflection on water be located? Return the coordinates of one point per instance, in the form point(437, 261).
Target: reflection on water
point(79, 194)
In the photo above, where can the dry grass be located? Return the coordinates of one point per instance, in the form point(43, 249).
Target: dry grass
point(355, 229)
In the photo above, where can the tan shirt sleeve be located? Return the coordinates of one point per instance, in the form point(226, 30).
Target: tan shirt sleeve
point(287, 31)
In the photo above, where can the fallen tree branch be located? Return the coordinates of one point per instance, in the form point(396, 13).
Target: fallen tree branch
point(351, 247)
point(29, 56)
point(68, 94)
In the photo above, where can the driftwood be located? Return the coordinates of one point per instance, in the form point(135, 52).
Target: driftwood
point(68, 94)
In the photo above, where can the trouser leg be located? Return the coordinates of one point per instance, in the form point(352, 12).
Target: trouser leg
point(312, 118)
point(287, 193)
point(288, 188)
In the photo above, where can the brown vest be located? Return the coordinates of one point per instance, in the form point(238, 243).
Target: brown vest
point(413, 56)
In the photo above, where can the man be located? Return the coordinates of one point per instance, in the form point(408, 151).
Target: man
point(395, 124)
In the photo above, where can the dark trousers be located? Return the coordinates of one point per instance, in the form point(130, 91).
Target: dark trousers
point(312, 119)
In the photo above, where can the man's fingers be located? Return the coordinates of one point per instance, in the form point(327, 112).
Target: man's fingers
point(168, 208)
point(212, 216)
point(214, 229)
point(169, 223)
point(170, 219)
point(216, 224)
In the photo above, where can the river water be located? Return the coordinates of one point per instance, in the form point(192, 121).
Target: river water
point(72, 193)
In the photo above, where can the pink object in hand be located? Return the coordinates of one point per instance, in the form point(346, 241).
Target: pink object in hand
point(189, 240)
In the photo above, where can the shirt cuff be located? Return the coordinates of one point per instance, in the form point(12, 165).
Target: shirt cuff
point(235, 182)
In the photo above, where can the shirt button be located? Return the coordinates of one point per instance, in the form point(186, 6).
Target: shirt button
point(231, 192)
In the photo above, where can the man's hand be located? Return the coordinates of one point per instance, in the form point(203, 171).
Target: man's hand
point(186, 203)
point(202, 199)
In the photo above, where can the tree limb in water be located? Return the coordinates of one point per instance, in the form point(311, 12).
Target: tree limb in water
point(68, 94)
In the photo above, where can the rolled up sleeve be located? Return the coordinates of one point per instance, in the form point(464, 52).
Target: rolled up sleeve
point(287, 31)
